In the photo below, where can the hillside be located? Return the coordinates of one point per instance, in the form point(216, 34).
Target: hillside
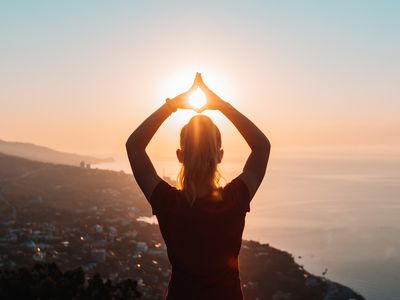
point(45, 154)
point(88, 218)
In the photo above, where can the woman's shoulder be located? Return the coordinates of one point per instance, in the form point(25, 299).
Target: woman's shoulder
point(237, 192)
point(164, 196)
point(236, 185)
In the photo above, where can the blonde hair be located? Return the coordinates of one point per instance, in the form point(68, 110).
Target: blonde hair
point(200, 142)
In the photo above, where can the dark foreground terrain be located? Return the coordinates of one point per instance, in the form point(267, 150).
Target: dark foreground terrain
point(77, 230)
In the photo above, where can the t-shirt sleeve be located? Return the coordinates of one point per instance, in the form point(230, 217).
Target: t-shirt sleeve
point(162, 198)
point(238, 192)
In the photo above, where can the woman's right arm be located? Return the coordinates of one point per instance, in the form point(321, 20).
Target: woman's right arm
point(256, 164)
point(142, 167)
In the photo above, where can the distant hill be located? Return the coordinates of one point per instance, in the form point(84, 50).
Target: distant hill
point(45, 154)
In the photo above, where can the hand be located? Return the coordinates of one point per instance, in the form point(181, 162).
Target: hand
point(213, 100)
point(182, 100)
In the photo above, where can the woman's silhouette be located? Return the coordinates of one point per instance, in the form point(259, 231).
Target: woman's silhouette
point(201, 222)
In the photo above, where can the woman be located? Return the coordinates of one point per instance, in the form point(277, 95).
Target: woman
point(201, 223)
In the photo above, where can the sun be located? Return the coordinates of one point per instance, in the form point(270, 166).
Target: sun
point(180, 80)
point(197, 99)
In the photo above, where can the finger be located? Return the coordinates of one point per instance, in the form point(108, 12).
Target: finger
point(198, 78)
point(202, 85)
point(195, 82)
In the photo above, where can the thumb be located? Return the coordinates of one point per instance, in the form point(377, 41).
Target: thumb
point(199, 111)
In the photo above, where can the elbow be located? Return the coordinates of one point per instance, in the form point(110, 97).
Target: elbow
point(268, 145)
point(131, 144)
point(262, 149)
point(264, 146)
point(131, 149)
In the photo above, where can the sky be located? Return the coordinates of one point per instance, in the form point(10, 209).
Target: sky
point(80, 76)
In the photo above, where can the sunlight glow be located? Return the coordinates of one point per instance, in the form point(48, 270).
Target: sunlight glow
point(179, 81)
point(197, 99)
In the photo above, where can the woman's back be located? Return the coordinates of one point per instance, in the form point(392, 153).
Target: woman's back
point(203, 234)
point(203, 240)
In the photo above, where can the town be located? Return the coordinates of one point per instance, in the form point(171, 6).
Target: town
point(100, 221)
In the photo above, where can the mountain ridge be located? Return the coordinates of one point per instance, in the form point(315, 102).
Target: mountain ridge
point(46, 154)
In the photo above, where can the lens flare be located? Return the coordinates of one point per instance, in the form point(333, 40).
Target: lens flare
point(197, 99)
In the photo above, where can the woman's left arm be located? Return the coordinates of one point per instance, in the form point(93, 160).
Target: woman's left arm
point(142, 167)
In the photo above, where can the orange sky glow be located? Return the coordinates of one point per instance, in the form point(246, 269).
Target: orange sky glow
point(82, 82)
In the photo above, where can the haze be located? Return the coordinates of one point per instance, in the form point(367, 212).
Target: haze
point(80, 76)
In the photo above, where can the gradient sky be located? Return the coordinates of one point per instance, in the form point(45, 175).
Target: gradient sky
point(81, 75)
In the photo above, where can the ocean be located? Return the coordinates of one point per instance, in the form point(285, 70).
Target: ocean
point(336, 210)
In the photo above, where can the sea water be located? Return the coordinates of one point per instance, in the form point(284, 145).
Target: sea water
point(336, 212)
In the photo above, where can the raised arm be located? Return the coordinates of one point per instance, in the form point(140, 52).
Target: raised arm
point(256, 164)
point(142, 167)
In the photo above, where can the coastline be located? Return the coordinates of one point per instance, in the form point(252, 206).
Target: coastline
point(334, 212)
point(89, 196)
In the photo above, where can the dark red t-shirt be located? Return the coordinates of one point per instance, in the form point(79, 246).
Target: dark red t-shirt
point(203, 240)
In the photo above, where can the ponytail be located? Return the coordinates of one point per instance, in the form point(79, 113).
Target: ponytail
point(200, 141)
